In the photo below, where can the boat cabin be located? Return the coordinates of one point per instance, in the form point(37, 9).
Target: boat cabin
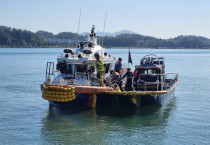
point(77, 67)
point(71, 70)
point(149, 75)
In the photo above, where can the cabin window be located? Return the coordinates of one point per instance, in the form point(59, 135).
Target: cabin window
point(147, 71)
point(152, 71)
point(81, 68)
point(64, 68)
point(146, 75)
point(61, 67)
point(69, 69)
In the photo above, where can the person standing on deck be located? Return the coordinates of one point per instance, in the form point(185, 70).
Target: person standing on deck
point(105, 55)
point(116, 79)
point(118, 65)
point(129, 80)
point(100, 68)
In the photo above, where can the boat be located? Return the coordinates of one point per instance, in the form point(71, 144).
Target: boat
point(74, 83)
point(150, 78)
point(151, 85)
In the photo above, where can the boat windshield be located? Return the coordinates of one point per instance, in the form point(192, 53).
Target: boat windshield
point(64, 68)
point(147, 71)
point(148, 75)
point(86, 44)
point(81, 68)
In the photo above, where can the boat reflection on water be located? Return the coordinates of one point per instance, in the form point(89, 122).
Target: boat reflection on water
point(106, 125)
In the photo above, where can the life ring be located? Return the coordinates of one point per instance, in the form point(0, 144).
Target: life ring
point(67, 50)
point(87, 51)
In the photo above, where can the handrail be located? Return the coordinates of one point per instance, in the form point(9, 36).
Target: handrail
point(49, 70)
point(144, 58)
point(163, 83)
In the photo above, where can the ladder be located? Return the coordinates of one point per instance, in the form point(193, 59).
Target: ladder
point(49, 70)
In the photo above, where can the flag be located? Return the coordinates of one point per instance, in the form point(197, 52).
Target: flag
point(129, 57)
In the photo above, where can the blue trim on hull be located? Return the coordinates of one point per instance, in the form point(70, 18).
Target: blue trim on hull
point(102, 100)
point(81, 101)
point(105, 100)
point(113, 100)
point(157, 99)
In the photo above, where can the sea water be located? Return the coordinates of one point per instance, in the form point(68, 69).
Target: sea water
point(25, 118)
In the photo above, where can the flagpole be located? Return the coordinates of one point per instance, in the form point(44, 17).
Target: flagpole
point(128, 56)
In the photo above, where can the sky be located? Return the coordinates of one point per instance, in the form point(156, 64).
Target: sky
point(158, 18)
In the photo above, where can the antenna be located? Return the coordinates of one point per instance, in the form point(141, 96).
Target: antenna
point(78, 27)
point(104, 29)
point(79, 22)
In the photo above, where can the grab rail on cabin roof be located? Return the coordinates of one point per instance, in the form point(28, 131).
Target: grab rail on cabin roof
point(146, 56)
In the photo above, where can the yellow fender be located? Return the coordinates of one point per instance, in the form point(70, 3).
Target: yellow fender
point(112, 92)
point(165, 92)
point(130, 93)
point(107, 92)
point(61, 89)
point(135, 93)
point(69, 89)
point(117, 89)
point(124, 93)
point(72, 96)
point(133, 100)
point(57, 88)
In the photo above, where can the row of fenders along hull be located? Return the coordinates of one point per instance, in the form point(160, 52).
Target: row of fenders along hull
point(107, 100)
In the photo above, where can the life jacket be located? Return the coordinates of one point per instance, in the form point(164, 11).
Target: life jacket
point(129, 78)
point(118, 66)
point(116, 76)
point(99, 65)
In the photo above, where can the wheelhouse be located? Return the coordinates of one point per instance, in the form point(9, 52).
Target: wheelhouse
point(148, 76)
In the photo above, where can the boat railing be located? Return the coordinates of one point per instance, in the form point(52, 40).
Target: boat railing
point(56, 72)
point(170, 80)
point(124, 69)
point(164, 80)
point(72, 75)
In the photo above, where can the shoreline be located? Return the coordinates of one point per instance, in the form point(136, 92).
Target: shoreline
point(106, 48)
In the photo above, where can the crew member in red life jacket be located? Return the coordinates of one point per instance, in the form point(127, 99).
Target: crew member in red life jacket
point(118, 65)
point(129, 80)
point(116, 76)
point(117, 80)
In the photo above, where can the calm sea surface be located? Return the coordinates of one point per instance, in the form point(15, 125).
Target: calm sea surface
point(25, 118)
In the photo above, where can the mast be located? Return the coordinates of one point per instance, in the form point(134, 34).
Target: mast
point(78, 27)
point(79, 22)
point(104, 30)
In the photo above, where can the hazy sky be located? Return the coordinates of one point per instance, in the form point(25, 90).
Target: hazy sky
point(158, 18)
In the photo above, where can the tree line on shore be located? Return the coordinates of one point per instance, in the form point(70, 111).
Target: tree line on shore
point(11, 37)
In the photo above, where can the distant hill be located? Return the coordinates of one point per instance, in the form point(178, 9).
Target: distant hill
point(19, 38)
point(11, 37)
point(110, 34)
point(61, 38)
point(62, 35)
point(140, 41)
point(44, 34)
